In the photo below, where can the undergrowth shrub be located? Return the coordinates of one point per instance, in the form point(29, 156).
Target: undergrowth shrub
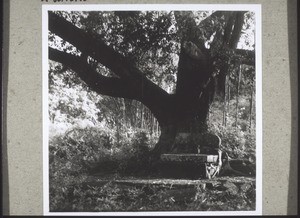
point(134, 158)
point(79, 152)
point(71, 156)
point(117, 197)
point(237, 143)
point(231, 198)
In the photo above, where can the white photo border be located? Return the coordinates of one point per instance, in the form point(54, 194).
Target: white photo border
point(256, 8)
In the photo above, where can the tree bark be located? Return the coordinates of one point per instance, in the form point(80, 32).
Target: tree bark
point(189, 116)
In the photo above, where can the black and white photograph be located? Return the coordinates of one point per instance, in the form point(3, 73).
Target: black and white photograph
point(152, 109)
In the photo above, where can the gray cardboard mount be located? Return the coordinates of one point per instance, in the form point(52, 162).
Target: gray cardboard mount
point(22, 127)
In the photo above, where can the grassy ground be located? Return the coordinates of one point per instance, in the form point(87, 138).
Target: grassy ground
point(131, 194)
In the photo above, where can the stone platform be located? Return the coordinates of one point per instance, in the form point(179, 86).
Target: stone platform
point(192, 166)
point(195, 158)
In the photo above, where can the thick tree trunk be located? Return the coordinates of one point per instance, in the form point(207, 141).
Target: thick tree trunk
point(188, 115)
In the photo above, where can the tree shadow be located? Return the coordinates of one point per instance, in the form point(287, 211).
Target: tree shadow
point(292, 205)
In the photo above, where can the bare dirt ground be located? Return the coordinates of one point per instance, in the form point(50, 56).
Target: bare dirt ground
point(163, 182)
point(221, 193)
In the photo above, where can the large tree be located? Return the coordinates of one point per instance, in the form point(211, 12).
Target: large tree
point(133, 54)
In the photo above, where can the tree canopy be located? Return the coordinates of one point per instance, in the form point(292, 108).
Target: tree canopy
point(173, 62)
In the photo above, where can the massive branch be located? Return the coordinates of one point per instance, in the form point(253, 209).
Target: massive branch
point(227, 38)
point(101, 84)
point(232, 36)
point(145, 91)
